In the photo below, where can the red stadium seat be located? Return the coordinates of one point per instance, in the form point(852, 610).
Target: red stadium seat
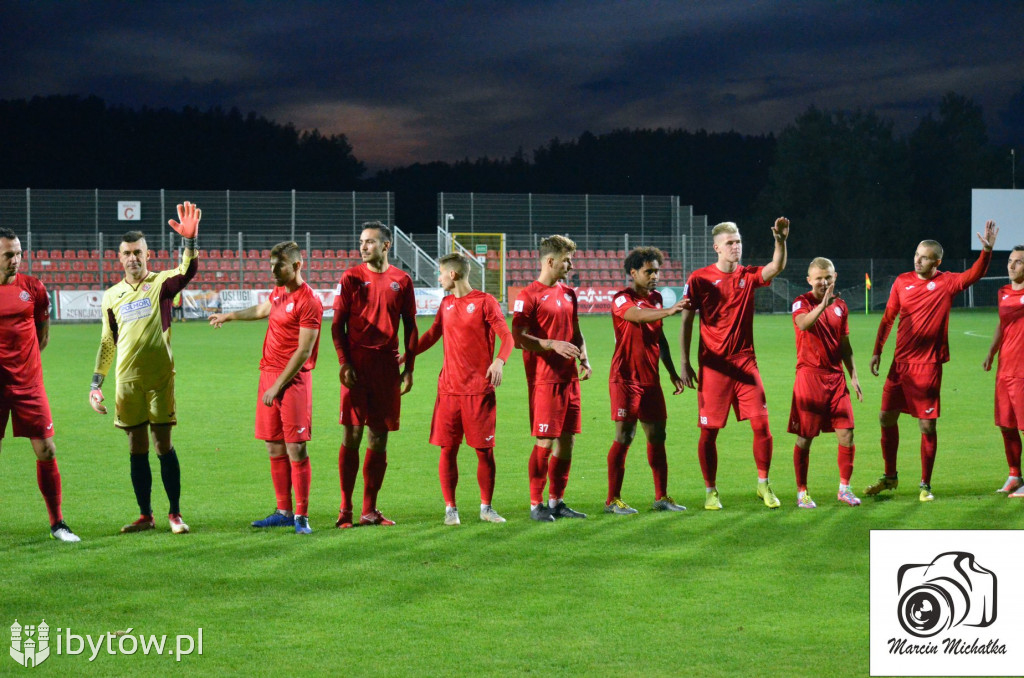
point(55, 254)
point(162, 254)
point(227, 254)
point(317, 254)
point(253, 254)
point(264, 254)
point(328, 254)
point(41, 254)
point(110, 254)
point(512, 254)
point(214, 254)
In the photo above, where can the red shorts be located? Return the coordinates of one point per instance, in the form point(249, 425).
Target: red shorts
point(474, 415)
point(1010, 402)
point(821, 403)
point(632, 401)
point(554, 409)
point(913, 389)
point(290, 418)
point(735, 384)
point(376, 399)
point(29, 411)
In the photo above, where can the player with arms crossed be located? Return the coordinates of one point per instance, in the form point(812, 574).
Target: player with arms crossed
point(136, 324)
point(468, 320)
point(1009, 344)
point(284, 408)
point(545, 325)
point(635, 384)
point(922, 299)
point(723, 294)
point(821, 400)
point(370, 300)
point(24, 333)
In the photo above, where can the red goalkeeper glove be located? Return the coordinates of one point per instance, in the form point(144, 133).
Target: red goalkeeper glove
point(189, 215)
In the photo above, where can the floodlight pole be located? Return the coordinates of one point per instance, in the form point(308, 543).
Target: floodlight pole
point(448, 217)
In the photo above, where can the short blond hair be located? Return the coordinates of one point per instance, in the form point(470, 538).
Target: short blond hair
point(556, 244)
point(935, 247)
point(822, 263)
point(724, 227)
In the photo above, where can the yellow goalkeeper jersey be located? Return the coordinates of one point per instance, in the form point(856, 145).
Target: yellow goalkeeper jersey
point(137, 324)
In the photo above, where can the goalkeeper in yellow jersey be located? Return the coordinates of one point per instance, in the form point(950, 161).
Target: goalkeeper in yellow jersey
point(136, 325)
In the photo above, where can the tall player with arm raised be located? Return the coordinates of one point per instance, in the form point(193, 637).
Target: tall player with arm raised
point(370, 300)
point(468, 320)
point(1008, 343)
point(545, 325)
point(922, 299)
point(24, 333)
point(635, 384)
point(821, 399)
point(284, 408)
point(136, 325)
point(723, 294)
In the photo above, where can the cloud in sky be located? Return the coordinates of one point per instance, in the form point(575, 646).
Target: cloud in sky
point(420, 81)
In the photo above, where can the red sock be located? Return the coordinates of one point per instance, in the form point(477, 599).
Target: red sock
point(762, 446)
point(846, 463)
point(558, 476)
point(281, 475)
point(301, 475)
point(929, 443)
point(538, 473)
point(890, 446)
point(348, 468)
point(659, 467)
point(374, 466)
point(801, 460)
point(616, 469)
point(707, 453)
point(448, 471)
point(485, 473)
point(48, 479)
point(1011, 442)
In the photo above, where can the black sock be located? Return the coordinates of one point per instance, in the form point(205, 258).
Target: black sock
point(170, 473)
point(142, 482)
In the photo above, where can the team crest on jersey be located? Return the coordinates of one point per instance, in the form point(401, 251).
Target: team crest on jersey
point(395, 286)
point(1021, 299)
point(567, 297)
point(930, 286)
point(743, 283)
point(796, 306)
point(25, 296)
point(838, 311)
point(470, 308)
point(145, 288)
point(289, 307)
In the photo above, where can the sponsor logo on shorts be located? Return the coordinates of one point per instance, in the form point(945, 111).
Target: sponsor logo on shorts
point(489, 438)
point(929, 410)
point(301, 430)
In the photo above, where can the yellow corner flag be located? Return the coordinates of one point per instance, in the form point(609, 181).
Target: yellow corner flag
point(867, 288)
point(867, 281)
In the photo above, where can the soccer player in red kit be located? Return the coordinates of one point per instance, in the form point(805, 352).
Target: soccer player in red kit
point(1009, 344)
point(634, 384)
point(821, 400)
point(922, 299)
point(469, 321)
point(545, 325)
point(723, 294)
point(368, 303)
point(284, 408)
point(24, 333)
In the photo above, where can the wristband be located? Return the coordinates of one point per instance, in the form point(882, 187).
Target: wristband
point(189, 243)
point(97, 381)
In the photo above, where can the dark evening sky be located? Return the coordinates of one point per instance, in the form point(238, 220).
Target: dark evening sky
point(421, 81)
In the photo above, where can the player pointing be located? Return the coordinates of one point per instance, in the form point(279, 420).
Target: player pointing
point(136, 324)
point(921, 299)
point(723, 294)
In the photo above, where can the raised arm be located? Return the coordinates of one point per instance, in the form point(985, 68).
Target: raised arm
point(805, 321)
point(780, 231)
point(650, 315)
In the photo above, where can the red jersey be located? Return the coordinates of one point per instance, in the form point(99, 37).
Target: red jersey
point(370, 305)
point(637, 346)
point(817, 347)
point(23, 303)
point(547, 313)
point(1011, 324)
point(923, 308)
point(290, 311)
point(725, 302)
point(469, 326)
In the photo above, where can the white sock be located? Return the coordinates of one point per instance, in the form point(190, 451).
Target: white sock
point(484, 507)
point(843, 488)
point(552, 503)
point(762, 480)
point(801, 494)
point(709, 490)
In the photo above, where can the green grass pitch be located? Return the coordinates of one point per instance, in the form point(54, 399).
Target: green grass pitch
point(739, 592)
